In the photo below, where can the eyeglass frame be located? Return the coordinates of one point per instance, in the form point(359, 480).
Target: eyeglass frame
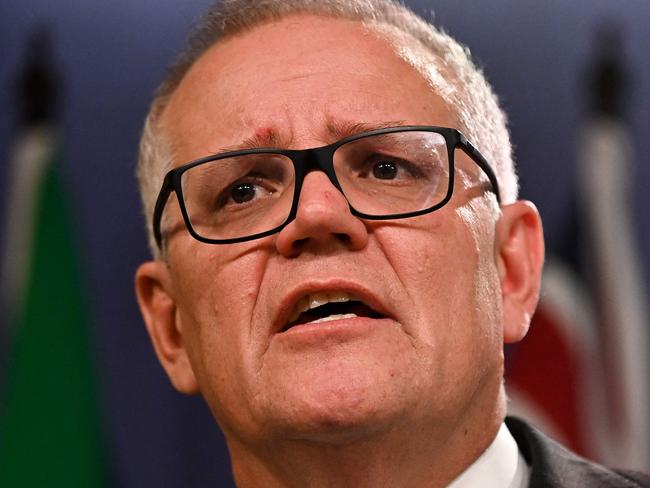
point(322, 159)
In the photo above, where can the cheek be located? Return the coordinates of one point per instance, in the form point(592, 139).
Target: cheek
point(216, 294)
point(218, 286)
point(446, 264)
point(436, 260)
point(478, 217)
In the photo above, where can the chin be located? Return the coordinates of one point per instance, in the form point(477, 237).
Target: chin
point(339, 423)
point(338, 406)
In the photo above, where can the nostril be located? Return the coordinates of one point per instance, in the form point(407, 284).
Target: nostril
point(317, 225)
point(299, 243)
point(344, 238)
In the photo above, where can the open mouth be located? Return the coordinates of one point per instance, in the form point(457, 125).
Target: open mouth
point(326, 307)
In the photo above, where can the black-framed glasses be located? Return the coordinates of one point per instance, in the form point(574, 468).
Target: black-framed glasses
point(391, 173)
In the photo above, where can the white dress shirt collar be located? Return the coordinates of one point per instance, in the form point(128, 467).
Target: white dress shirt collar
point(500, 466)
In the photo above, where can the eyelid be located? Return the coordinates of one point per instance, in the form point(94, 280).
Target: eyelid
point(364, 166)
point(223, 198)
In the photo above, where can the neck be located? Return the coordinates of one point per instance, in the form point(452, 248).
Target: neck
point(401, 456)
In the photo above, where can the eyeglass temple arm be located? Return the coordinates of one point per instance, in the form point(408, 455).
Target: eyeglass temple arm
point(158, 209)
point(482, 162)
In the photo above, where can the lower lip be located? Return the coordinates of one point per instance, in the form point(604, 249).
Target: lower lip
point(340, 329)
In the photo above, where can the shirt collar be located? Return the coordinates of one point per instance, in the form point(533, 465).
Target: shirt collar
point(501, 465)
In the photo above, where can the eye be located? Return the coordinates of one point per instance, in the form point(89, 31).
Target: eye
point(385, 170)
point(391, 169)
point(253, 190)
point(243, 192)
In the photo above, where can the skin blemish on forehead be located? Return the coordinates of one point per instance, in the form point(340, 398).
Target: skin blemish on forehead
point(265, 135)
point(334, 130)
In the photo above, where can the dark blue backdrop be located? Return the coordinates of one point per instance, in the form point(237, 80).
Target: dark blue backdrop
point(111, 56)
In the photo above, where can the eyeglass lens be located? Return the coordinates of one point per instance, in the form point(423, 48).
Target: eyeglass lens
point(383, 174)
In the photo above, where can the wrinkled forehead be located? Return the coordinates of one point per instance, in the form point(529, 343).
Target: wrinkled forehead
point(321, 62)
point(269, 39)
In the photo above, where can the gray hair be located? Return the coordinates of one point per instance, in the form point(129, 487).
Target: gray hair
point(467, 92)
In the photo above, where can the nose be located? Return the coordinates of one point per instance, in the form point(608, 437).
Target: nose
point(323, 221)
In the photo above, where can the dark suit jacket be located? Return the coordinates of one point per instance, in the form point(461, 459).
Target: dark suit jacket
point(552, 466)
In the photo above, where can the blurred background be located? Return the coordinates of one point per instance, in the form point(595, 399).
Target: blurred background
point(83, 401)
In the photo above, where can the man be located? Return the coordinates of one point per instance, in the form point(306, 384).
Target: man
point(337, 266)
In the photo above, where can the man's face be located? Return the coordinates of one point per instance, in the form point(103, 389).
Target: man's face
point(431, 350)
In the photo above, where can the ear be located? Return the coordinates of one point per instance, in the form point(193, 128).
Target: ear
point(520, 258)
point(153, 287)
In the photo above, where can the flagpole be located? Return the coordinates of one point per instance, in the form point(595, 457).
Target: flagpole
point(612, 262)
point(51, 431)
point(37, 93)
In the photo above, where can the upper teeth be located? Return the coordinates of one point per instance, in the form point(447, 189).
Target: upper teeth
point(318, 299)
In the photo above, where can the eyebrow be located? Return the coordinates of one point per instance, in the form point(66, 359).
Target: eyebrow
point(269, 137)
point(263, 137)
point(341, 130)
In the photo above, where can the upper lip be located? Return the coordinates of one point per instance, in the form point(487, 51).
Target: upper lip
point(359, 292)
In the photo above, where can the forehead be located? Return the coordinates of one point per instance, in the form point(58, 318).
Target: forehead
point(294, 79)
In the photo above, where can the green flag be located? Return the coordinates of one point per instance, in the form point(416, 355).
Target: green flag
point(49, 417)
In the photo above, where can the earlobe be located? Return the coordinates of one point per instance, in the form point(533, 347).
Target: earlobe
point(520, 259)
point(158, 307)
